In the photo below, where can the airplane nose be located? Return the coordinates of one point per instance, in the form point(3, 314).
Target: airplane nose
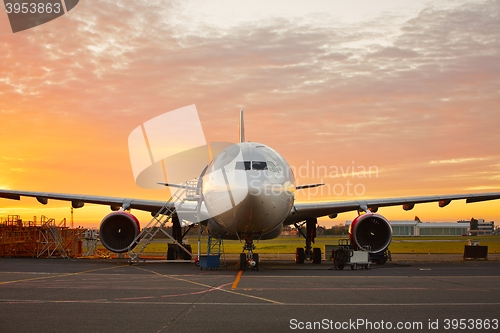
point(242, 201)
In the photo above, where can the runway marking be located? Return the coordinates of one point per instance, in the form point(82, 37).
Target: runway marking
point(104, 301)
point(237, 280)
point(209, 287)
point(195, 292)
point(56, 275)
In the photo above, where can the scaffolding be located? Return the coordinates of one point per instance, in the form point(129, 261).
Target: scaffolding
point(38, 239)
point(215, 246)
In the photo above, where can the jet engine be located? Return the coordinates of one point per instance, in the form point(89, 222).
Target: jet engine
point(118, 230)
point(370, 231)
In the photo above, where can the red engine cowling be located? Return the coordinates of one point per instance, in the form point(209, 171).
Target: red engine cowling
point(118, 230)
point(370, 231)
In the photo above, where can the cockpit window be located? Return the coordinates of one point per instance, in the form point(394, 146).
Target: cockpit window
point(243, 165)
point(247, 165)
point(272, 166)
point(259, 165)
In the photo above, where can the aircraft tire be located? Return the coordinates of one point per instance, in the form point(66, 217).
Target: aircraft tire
point(381, 261)
point(243, 261)
point(171, 252)
point(316, 255)
point(299, 255)
point(187, 256)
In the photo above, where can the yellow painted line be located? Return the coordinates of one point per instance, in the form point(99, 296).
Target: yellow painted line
point(237, 280)
point(55, 275)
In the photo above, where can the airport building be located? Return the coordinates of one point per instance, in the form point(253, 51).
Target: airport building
point(417, 228)
point(481, 227)
point(442, 229)
point(484, 228)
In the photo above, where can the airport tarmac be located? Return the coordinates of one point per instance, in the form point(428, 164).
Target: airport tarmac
point(97, 295)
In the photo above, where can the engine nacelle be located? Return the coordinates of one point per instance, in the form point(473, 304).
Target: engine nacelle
point(371, 231)
point(118, 230)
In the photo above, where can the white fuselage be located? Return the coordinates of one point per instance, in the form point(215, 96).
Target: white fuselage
point(248, 189)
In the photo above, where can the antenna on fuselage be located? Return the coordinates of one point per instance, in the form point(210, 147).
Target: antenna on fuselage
point(242, 127)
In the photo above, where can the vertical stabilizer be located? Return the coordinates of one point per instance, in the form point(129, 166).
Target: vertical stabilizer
point(242, 127)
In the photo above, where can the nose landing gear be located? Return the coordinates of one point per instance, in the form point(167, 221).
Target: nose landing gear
point(249, 259)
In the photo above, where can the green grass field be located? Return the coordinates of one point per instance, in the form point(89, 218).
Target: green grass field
point(284, 245)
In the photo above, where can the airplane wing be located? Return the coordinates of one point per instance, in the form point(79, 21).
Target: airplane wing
point(299, 212)
point(78, 200)
point(302, 211)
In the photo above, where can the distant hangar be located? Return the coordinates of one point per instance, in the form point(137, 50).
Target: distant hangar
point(418, 228)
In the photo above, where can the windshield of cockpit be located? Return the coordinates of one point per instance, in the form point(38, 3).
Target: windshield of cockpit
point(255, 165)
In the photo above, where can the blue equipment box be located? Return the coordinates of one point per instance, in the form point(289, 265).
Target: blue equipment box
point(211, 261)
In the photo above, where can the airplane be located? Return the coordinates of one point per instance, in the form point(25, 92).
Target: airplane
point(248, 193)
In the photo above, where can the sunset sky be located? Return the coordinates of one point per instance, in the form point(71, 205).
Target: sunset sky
point(409, 90)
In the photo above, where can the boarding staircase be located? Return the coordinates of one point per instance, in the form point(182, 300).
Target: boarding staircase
point(188, 191)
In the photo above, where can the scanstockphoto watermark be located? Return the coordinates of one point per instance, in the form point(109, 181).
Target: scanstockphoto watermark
point(339, 189)
point(335, 180)
point(470, 324)
point(160, 157)
point(355, 324)
point(338, 180)
point(344, 188)
point(353, 171)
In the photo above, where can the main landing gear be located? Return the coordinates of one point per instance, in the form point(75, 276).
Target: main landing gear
point(308, 252)
point(249, 259)
point(174, 251)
